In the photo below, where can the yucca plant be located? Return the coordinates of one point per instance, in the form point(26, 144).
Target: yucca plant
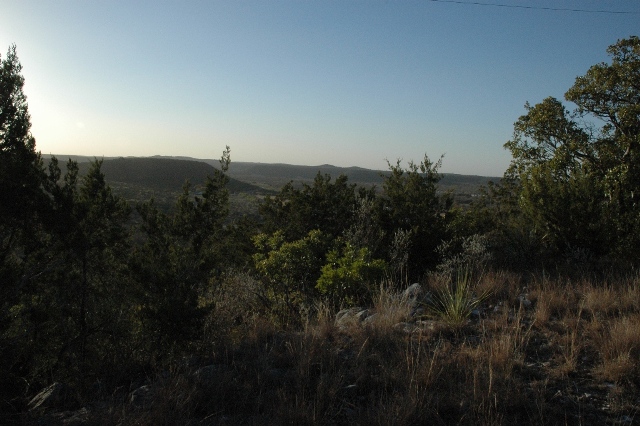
point(454, 302)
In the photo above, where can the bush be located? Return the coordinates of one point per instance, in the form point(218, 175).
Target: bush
point(345, 277)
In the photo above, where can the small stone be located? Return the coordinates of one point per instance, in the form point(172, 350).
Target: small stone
point(80, 417)
point(428, 325)
point(405, 327)
point(371, 318)
point(524, 300)
point(414, 291)
point(141, 395)
point(362, 315)
point(348, 316)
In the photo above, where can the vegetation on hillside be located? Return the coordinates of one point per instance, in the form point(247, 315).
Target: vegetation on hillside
point(137, 314)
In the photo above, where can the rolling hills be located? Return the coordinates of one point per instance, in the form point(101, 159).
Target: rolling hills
point(140, 178)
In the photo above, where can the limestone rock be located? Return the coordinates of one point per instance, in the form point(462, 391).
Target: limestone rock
point(416, 298)
point(349, 316)
point(413, 294)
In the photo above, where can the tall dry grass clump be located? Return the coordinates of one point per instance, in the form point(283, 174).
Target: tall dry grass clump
point(619, 343)
point(390, 308)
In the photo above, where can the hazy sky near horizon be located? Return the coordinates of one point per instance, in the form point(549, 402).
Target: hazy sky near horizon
point(348, 83)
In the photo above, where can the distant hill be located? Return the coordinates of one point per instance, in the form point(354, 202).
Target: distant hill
point(169, 173)
point(355, 174)
point(164, 173)
point(77, 158)
point(276, 175)
point(158, 173)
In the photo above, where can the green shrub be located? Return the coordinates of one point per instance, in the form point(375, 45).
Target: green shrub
point(290, 270)
point(347, 272)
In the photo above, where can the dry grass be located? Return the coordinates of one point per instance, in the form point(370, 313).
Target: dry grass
point(389, 308)
point(571, 357)
point(620, 349)
point(612, 300)
point(602, 302)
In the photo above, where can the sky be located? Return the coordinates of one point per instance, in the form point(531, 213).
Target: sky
point(347, 83)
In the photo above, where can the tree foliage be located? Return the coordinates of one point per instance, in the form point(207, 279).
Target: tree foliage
point(325, 205)
point(20, 165)
point(181, 254)
point(290, 269)
point(411, 204)
point(577, 172)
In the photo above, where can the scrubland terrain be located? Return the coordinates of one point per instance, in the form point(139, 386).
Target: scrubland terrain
point(535, 351)
point(131, 297)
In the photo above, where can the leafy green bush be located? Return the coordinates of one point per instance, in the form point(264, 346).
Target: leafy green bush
point(290, 270)
point(347, 272)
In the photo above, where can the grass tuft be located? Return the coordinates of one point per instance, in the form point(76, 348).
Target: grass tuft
point(454, 302)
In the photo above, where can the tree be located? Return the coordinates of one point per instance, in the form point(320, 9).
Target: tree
point(71, 317)
point(23, 203)
point(324, 205)
point(496, 215)
point(21, 172)
point(611, 93)
point(412, 208)
point(181, 254)
point(98, 243)
point(579, 172)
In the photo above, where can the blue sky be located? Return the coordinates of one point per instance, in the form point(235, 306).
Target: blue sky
point(348, 83)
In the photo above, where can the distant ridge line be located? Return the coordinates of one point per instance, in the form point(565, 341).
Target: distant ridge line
point(241, 166)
